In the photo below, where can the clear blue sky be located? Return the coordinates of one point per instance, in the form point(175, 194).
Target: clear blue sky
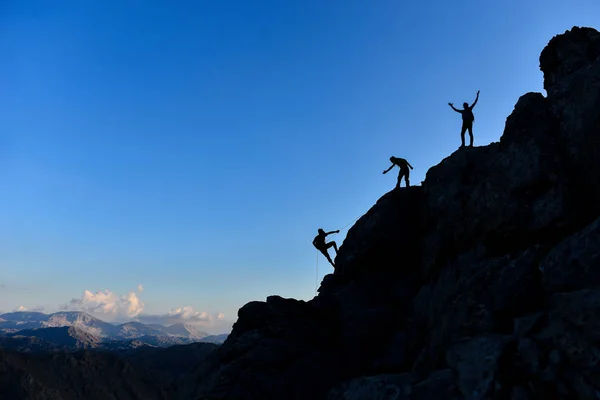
point(195, 147)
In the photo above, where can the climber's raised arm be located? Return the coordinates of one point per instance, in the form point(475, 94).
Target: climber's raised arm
point(452, 105)
point(475, 102)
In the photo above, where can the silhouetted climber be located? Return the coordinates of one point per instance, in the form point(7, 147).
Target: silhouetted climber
point(319, 243)
point(404, 171)
point(468, 118)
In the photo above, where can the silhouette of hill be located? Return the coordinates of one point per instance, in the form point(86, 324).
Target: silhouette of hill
point(141, 374)
point(162, 340)
point(169, 365)
point(28, 344)
point(217, 339)
point(81, 375)
point(484, 282)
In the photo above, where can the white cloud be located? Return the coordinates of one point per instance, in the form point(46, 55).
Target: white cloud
point(110, 306)
point(189, 314)
point(34, 309)
point(107, 304)
point(185, 315)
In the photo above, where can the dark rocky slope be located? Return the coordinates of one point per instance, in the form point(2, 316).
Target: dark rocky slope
point(483, 283)
point(168, 366)
point(140, 374)
point(73, 376)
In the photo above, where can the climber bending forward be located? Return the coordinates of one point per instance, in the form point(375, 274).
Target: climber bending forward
point(319, 243)
point(404, 171)
point(468, 118)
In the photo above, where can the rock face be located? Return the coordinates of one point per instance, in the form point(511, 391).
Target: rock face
point(483, 283)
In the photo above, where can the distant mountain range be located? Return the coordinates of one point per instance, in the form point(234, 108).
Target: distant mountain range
point(72, 330)
point(77, 356)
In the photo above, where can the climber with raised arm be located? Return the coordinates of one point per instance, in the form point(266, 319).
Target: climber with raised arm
point(468, 118)
point(404, 171)
point(319, 243)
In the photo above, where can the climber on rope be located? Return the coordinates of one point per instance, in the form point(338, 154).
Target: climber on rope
point(319, 243)
point(404, 171)
point(468, 118)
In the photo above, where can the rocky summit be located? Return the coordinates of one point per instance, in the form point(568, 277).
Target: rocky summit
point(482, 283)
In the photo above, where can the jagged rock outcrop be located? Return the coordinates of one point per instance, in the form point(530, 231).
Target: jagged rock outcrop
point(483, 283)
point(569, 53)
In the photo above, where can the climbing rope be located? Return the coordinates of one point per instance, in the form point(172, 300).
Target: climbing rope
point(348, 224)
point(317, 276)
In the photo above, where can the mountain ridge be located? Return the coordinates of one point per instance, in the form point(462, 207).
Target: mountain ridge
point(484, 282)
point(40, 324)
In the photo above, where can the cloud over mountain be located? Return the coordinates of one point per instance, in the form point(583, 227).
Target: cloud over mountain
point(34, 309)
point(108, 304)
point(185, 315)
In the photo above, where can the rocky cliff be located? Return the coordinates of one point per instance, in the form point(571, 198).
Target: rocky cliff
point(484, 282)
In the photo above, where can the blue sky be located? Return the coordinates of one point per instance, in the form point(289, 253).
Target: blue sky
point(195, 147)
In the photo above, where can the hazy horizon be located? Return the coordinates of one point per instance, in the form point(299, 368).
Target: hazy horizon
point(148, 322)
point(176, 162)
